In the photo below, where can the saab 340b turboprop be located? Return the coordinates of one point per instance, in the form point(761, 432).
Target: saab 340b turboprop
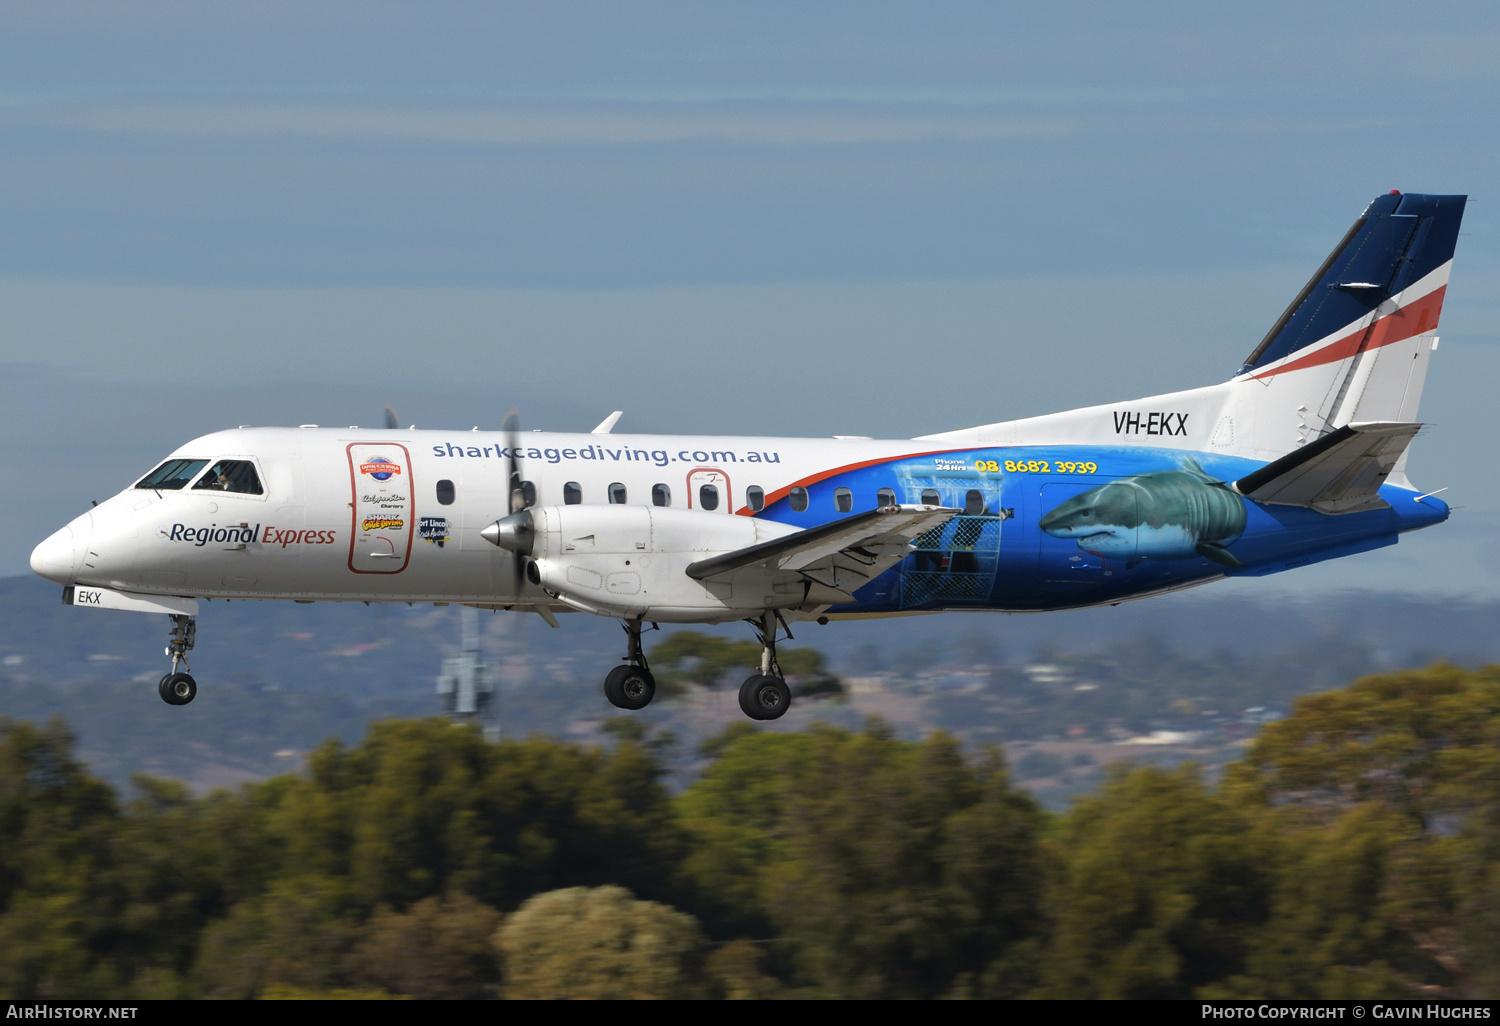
point(1299, 457)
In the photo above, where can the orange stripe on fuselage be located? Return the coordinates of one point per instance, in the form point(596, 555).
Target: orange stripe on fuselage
point(1416, 317)
point(824, 475)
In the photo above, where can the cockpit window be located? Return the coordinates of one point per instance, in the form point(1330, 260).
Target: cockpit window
point(172, 475)
point(231, 476)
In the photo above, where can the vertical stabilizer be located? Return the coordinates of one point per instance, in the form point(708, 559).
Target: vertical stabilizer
point(1354, 345)
point(1352, 348)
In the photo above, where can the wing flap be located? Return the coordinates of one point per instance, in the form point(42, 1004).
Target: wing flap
point(868, 543)
point(1339, 473)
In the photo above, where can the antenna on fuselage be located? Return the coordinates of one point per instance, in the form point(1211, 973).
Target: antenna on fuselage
point(392, 422)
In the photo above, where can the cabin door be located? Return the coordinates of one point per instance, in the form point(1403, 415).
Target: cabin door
point(380, 539)
point(708, 489)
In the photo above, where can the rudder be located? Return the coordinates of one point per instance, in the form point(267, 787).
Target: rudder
point(1353, 346)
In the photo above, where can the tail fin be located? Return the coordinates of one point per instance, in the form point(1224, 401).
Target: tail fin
point(1353, 345)
point(1352, 348)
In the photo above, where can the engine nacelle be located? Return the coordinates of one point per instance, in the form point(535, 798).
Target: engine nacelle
point(630, 561)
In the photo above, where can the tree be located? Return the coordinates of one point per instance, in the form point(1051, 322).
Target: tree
point(888, 868)
point(1389, 793)
point(297, 935)
point(686, 658)
point(600, 943)
point(440, 948)
point(59, 905)
point(704, 660)
point(1160, 885)
point(423, 808)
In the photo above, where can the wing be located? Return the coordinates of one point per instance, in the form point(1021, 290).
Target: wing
point(1339, 473)
point(838, 557)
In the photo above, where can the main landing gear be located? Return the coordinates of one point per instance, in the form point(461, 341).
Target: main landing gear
point(179, 688)
point(765, 696)
point(631, 686)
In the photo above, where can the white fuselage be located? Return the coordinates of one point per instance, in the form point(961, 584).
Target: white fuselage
point(325, 529)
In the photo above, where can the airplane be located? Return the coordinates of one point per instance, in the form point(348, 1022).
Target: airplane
point(1300, 456)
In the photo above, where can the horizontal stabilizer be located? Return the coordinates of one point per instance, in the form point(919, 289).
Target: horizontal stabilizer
point(1339, 473)
point(864, 545)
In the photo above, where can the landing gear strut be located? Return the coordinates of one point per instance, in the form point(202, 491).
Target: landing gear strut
point(765, 696)
point(631, 686)
point(179, 688)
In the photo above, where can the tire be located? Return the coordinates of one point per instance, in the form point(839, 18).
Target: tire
point(178, 689)
point(747, 697)
point(161, 687)
point(629, 687)
point(765, 697)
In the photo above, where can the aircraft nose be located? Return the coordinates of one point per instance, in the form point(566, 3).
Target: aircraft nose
point(60, 555)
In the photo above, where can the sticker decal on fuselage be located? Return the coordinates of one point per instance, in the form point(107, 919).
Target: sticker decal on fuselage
point(381, 490)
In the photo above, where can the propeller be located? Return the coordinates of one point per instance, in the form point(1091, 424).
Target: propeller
point(516, 531)
point(512, 441)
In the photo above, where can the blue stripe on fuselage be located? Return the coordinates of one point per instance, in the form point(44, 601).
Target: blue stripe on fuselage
point(1002, 559)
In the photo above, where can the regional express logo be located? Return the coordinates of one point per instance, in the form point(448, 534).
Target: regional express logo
point(380, 468)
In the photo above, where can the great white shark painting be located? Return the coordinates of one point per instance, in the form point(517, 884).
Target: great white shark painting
point(1167, 514)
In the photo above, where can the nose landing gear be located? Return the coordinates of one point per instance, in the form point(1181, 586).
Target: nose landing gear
point(179, 688)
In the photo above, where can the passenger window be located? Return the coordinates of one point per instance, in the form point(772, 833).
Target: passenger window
point(528, 493)
point(973, 502)
point(930, 497)
point(798, 498)
point(885, 497)
point(755, 498)
point(172, 475)
point(708, 497)
point(231, 476)
point(617, 493)
point(843, 500)
point(445, 492)
point(572, 494)
point(661, 495)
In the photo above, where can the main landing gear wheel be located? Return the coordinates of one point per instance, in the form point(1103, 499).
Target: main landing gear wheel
point(630, 687)
point(177, 689)
point(764, 697)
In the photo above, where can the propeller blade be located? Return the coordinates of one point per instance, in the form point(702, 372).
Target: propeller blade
point(517, 502)
point(513, 442)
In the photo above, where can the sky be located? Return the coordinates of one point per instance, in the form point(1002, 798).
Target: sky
point(793, 219)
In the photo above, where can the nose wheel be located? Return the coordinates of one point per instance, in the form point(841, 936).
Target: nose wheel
point(177, 688)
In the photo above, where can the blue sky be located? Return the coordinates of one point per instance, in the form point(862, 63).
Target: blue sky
point(789, 219)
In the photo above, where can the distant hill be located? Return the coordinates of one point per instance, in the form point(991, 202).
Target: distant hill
point(278, 678)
